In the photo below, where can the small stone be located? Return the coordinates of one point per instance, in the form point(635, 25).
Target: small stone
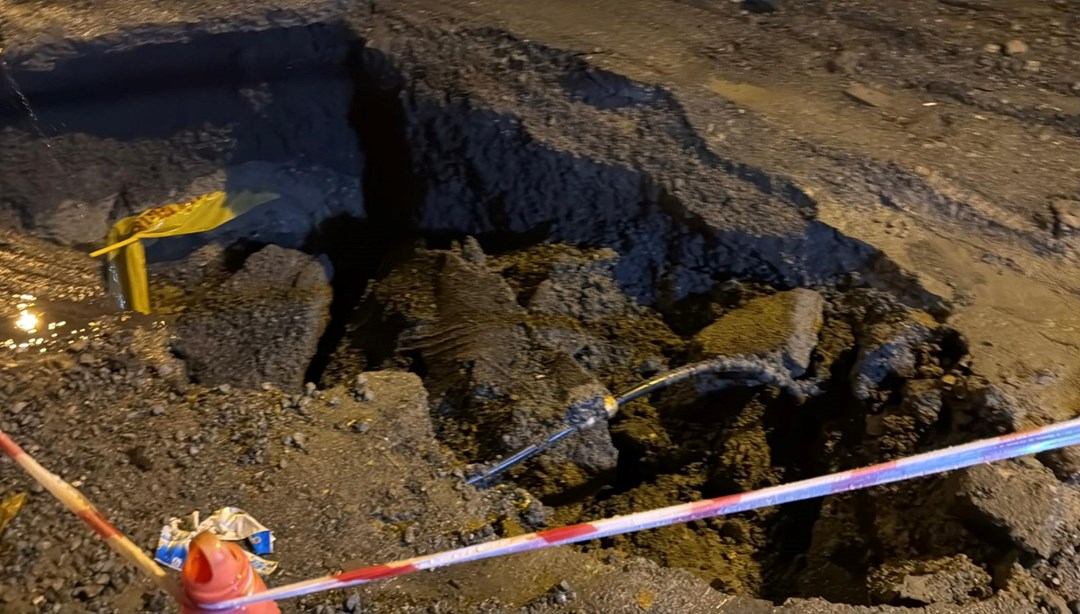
point(1066, 214)
point(310, 389)
point(299, 439)
point(361, 381)
point(87, 359)
point(1075, 87)
point(79, 345)
point(564, 586)
point(224, 389)
point(1033, 66)
point(1065, 463)
point(352, 604)
point(90, 591)
point(138, 458)
point(193, 451)
point(729, 293)
point(157, 411)
point(949, 380)
point(266, 386)
point(760, 6)
point(1045, 377)
point(992, 48)
point(18, 406)
point(409, 537)
point(1016, 47)
point(868, 96)
point(365, 396)
point(471, 251)
point(843, 62)
point(361, 427)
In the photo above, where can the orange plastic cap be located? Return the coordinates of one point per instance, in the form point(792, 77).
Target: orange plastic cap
point(215, 571)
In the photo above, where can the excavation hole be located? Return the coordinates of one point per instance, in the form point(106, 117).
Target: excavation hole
point(504, 342)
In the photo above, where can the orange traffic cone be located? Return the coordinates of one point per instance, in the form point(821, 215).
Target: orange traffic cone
point(215, 571)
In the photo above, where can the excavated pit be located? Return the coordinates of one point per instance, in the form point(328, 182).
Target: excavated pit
point(501, 340)
point(518, 275)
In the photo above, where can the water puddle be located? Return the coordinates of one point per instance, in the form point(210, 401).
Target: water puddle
point(30, 325)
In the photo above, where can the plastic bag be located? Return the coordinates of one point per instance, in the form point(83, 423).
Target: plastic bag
point(127, 258)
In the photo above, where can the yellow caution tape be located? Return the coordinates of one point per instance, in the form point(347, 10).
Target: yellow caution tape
point(127, 259)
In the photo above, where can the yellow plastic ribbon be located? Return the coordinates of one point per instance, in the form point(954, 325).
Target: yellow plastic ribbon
point(127, 258)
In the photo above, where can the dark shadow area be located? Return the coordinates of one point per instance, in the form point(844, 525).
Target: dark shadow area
point(393, 192)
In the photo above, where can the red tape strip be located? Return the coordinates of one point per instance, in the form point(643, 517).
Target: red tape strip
point(374, 573)
point(97, 522)
point(9, 447)
point(565, 533)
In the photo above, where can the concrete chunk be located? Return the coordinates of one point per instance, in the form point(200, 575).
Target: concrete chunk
point(263, 324)
point(1020, 501)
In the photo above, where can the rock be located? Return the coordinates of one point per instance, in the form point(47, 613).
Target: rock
point(868, 96)
point(1066, 215)
point(953, 579)
point(263, 324)
point(729, 293)
point(760, 6)
point(844, 62)
point(471, 251)
point(137, 456)
point(583, 287)
point(1015, 47)
point(888, 346)
point(352, 603)
point(784, 325)
point(1065, 463)
point(79, 345)
point(1020, 501)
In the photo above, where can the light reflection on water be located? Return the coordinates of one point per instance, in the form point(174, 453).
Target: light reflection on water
point(29, 324)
